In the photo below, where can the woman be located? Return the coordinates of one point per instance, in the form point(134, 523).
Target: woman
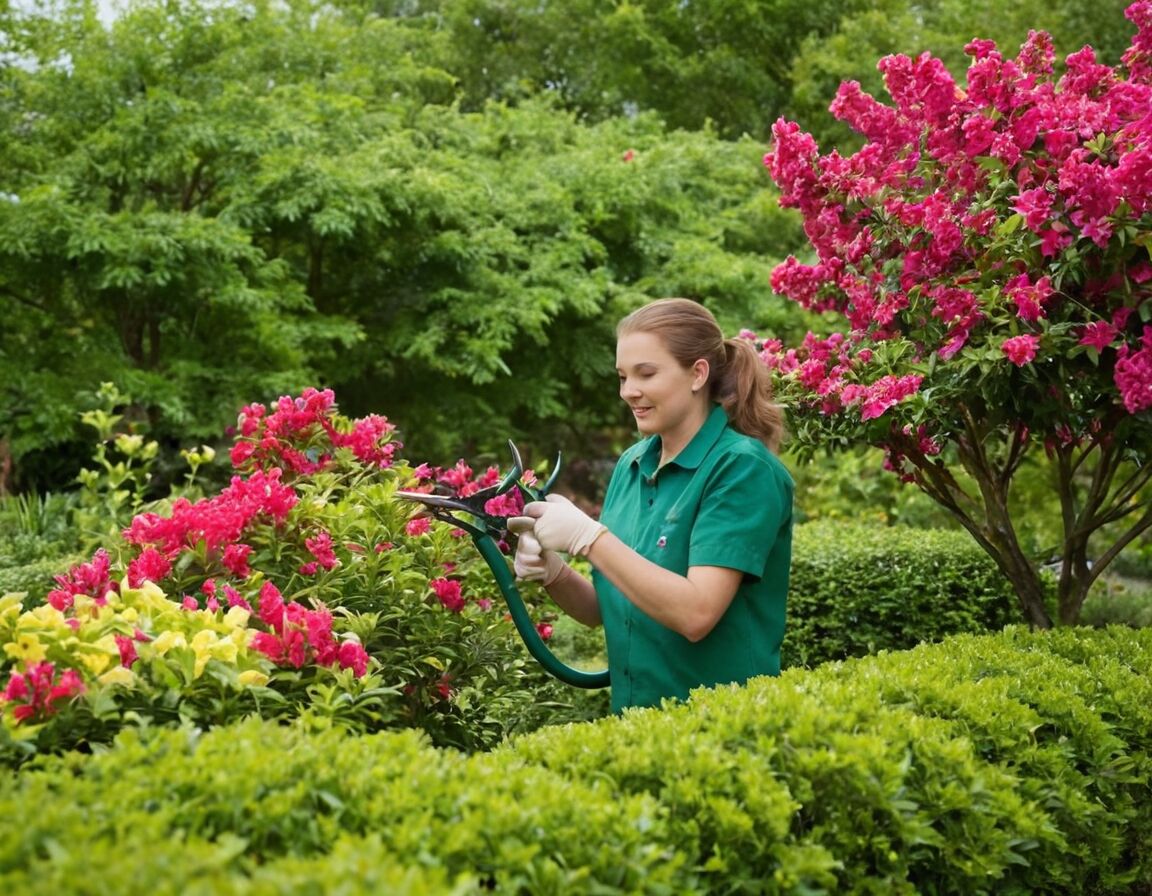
point(691, 553)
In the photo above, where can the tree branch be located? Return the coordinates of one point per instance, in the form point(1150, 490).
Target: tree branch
point(24, 300)
point(1102, 562)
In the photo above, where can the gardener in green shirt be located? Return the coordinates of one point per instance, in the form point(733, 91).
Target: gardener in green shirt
point(691, 553)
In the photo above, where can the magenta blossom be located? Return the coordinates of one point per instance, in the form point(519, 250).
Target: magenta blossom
point(1020, 350)
point(1134, 374)
point(1099, 334)
point(448, 591)
point(38, 692)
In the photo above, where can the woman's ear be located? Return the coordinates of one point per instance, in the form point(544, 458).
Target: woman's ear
point(700, 371)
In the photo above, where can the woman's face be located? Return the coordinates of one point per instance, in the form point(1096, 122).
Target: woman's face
point(658, 389)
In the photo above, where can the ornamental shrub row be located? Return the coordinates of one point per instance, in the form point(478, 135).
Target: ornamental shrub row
point(463, 678)
point(857, 588)
point(1008, 763)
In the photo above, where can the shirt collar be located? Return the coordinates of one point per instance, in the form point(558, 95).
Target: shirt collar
point(693, 453)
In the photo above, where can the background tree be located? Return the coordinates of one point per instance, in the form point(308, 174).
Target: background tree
point(211, 205)
point(724, 63)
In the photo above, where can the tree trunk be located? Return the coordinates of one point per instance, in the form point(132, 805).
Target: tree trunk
point(987, 517)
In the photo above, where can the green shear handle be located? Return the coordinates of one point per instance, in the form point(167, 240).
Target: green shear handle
point(486, 529)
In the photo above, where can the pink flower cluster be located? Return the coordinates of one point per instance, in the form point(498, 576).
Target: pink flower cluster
point(90, 579)
point(216, 532)
point(449, 593)
point(1134, 374)
point(298, 636)
point(300, 436)
point(218, 522)
point(320, 546)
point(828, 368)
point(942, 214)
point(1020, 350)
point(38, 691)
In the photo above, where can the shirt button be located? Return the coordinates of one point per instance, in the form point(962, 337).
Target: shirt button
point(651, 501)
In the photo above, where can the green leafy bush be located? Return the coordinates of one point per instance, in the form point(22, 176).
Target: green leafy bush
point(35, 578)
point(858, 588)
point(1010, 763)
point(304, 587)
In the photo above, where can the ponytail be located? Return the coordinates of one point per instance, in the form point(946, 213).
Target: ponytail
point(744, 389)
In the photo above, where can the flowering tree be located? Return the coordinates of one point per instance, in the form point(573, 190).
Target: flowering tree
point(988, 248)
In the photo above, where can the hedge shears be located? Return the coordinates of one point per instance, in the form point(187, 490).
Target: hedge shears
point(487, 529)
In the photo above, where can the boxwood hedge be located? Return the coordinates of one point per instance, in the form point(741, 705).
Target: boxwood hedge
point(1009, 763)
point(857, 588)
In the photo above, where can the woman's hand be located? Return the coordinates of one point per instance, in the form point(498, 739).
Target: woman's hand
point(533, 563)
point(562, 526)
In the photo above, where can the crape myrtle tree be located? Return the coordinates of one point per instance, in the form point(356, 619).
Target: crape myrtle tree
point(987, 252)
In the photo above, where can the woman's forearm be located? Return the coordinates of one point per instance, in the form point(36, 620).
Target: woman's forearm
point(689, 605)
point(576, 596)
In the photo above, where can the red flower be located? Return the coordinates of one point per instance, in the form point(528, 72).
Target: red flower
point(235, 560)
point(150, 565)
point(448, 591)
point(127, 648)
point(352, 655)
point(418, 526)
point(321, 547)
point(38, 693)
point(1099, 334)
point(1020, 350)
point(85, 578)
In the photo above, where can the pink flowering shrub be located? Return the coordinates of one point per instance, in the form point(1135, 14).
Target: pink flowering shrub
point(302, 587)
point(987, 251)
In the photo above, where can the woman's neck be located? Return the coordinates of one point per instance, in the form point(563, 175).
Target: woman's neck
point(675, 441)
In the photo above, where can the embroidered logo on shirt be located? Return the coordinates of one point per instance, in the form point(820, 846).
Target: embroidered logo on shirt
point(661, 541)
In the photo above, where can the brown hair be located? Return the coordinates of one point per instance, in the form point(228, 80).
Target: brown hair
point(737, 379)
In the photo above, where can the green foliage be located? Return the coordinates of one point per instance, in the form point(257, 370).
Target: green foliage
point(37, 542)
point(216, 204)
point(1014, 763)
point(853, 485)
point(1117, 600)
point(694, 64)
point(34, 578)
point(858, 588)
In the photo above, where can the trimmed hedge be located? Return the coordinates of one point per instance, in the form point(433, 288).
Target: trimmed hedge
point(1010, 763)
point(37, 577)
point(858, 588)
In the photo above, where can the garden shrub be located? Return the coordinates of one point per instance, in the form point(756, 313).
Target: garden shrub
point(304, 585)
point(857, 588)
point(36, 578)
point(1011, 763)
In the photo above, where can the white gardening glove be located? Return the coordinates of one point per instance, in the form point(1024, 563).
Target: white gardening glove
point(532, 562)
point(562, 526)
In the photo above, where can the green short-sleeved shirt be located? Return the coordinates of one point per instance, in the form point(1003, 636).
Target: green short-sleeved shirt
point(725, 500)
